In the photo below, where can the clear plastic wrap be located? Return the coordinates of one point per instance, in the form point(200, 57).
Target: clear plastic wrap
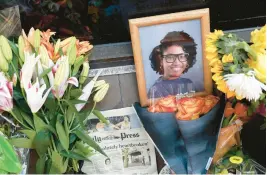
point(228, 137)
point(10, 22)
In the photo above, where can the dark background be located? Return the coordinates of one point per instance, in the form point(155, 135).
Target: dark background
point(106, 21)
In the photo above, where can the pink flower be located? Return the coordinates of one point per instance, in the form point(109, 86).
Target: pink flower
point(6, 93)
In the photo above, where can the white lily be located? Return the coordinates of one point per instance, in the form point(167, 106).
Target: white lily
point(245, 85)
point(87, 91)
point(35, 97)
point(28, 69)
point(6, 93)
point(61, 80)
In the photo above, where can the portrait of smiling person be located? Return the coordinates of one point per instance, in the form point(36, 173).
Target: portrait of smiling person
point(169, 55)
point(175, 55)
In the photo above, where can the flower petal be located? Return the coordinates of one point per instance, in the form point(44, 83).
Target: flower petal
point(74, 81)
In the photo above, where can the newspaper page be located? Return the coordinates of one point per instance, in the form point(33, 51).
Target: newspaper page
point(124, 140)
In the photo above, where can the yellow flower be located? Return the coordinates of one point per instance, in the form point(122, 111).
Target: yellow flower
point(211, 48)
point(222, 86)
point(217, 77)
point(211, 56)
point(258, 48)
point(227, 58)
point(259, 67)
point(259, 36)
point(217, 67)
point(215, 35)
point(214, 62)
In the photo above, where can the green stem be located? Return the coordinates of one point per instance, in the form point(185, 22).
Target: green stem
point(232, 119)
point(75, 128)
point(72, 120)
point(54, 145)
point(61, 108)
point(45, 116)
point(94, 105)
point(15, 70)
point(14, 115)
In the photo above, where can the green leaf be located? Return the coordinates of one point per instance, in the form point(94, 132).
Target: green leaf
point(41, 142)
point(63, 137)
point(78, 62)
point(17, 113)
point(40, 165)
point(76, 93)
point(27, 119)
point(21, 143)
point(29, 133)
point(14, 48)
point(87, 139)
point(71, 105)
point(72, 138)
point(57, 164)
point(69, 115)
point(73, 155)
point(45, 72)
point(262, 96)
point(50, 103)
point(84, 149)
point(38, 123)
point(76, 101)
point(100, 116)
point(48, 165)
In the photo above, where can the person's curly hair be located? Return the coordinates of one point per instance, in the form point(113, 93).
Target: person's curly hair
point(174, 38)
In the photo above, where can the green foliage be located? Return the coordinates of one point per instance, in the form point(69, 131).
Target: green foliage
point(56, 130)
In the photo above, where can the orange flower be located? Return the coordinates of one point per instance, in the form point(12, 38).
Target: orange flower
point(83, 47)
point(49, 46)
point(181, 116)
point(46, 35)
point(228, 110)
point(241, 110)
point(210, 102)
point(189, 108)
point(166, 104)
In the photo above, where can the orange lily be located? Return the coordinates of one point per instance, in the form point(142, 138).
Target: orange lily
point(49, 46)
point(83, 47)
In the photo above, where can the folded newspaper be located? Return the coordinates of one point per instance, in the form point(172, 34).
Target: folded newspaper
point(125, 141)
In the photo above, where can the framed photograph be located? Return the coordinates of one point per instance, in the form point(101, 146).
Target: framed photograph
point(169, 52)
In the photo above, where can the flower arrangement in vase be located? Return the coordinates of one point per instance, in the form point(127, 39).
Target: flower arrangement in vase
point(44, 93)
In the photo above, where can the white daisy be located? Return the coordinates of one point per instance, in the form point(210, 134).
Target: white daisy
point(245, 85)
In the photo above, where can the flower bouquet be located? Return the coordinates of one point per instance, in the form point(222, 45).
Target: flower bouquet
point(239, 71)
point(40, 92)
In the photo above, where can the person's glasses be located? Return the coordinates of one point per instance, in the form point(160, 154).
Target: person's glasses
point(170, 58)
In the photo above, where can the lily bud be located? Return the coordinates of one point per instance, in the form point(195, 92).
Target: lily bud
point(84, 72)
point(44, 56)
point(14, 79)
point(57, 46)
point(6, 49)
point(62, 72)
point(99, 83)
point(37, 39)
point(72, 51)
point(100, 86)
point(101, 93)
point(3, 62)
point(21, 48)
